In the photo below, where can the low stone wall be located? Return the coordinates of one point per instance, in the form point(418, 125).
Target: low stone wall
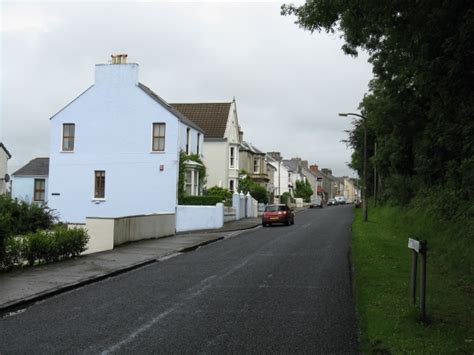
point(105, 233)
point(133, 228)
point(190, 218)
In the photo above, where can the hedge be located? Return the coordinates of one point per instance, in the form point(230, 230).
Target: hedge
point(44, 246)
point(18, 218)
point(201, 200)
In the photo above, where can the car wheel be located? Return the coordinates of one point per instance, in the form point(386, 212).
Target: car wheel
point(264, 224)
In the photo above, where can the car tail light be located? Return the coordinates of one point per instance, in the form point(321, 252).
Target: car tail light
point(284, 212)
point(279, 212)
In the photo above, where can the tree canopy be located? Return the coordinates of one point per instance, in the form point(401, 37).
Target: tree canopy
point(419, 107)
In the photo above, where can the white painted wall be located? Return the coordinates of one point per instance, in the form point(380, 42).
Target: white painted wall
point(23, 187)
point(113, 132)
point(216, 161)
point(280, 178)
point(190, 218)
point(3, 170)
point(193, 137)
point(101, 234)
point(217, 154)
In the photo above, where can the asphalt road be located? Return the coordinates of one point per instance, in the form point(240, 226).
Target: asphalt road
point(283, 289)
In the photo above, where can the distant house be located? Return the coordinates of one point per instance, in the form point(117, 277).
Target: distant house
point(4, 156)
point(222, 140)
point(114, 150)
point(294, 174)
point(320, 177)
point(281, 176)
point(252, 160)
point(30, 183)
point(331, 184)
point(309, 175)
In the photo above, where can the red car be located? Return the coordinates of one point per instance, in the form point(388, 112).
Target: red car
point(278, 214)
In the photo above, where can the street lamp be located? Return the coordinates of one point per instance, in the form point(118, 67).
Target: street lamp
point(364, 193)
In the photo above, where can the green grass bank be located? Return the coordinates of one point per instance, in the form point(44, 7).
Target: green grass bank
point(382, 262)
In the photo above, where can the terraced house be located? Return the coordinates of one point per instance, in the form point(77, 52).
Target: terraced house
point(222, 140)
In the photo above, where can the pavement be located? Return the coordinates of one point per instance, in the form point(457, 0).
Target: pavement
point(30, 284)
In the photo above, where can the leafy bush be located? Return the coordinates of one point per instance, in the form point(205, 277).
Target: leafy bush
point(303, 190)
point(44, 246)
point(18, 217)
point(259, 193)
point(201, 200)
point(246, 184)
point(286, 198)
point(219, 191)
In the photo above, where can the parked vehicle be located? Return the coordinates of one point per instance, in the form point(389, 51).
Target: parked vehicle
point(278, 214)
point(340, 200)
point(332, 202)
point(316, 201)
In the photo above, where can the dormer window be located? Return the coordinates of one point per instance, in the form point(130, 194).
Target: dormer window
point(68, 137)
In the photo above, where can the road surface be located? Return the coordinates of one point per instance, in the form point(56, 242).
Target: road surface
point(284, 289)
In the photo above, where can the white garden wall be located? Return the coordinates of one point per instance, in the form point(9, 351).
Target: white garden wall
point(190, 218)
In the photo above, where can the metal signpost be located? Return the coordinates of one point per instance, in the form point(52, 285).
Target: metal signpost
point(418, 247)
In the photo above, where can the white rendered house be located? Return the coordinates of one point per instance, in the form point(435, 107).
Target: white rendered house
point(4, 156)
point(115, 148)
point(30, 182)
point(222, 140)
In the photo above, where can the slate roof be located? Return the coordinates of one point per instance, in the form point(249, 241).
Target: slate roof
point(212, 117)
point(6, 150)
point(170, 108)
point(291, 164)
point(36, 167)
point(245, 146)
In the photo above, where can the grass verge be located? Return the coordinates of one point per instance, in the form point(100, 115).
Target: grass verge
point(382, 262)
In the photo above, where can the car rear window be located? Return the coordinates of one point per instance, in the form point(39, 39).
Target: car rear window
point(275, 208)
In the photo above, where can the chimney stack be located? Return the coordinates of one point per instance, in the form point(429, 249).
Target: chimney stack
point(275, 155)
point(304, 163)
point(119, 58)
point(314, 168)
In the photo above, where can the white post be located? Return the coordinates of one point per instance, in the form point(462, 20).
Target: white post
point(248, 205)
point(241, 205)
point(236, 205)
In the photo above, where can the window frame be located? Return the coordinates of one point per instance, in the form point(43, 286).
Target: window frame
point(63, 137)
point(35, 190)
point(188, 140)
point(158, 137)
point(232, 159)
point(256, 165)
point(96, 197)
point(198, 143)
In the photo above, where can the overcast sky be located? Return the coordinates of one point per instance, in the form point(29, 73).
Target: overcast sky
point(289, 84)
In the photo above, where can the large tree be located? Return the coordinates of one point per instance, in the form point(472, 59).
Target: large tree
point(420, 106)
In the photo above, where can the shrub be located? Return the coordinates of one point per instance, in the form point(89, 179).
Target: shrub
point(201, 200)
point(223, 193)
point(45, 246)
point(18, 217)
point(286, 198)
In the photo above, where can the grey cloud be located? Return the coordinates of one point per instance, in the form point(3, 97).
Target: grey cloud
point(289, 84)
